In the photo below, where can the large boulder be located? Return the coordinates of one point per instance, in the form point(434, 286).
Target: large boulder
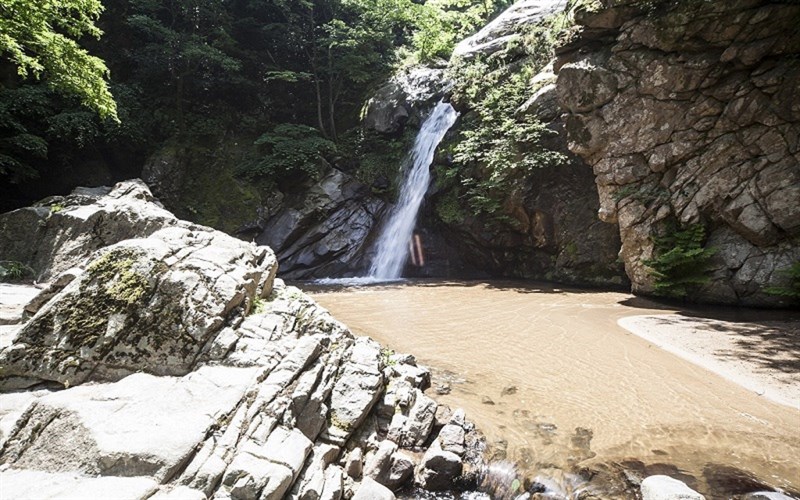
point(402, 99)
point(60, 232)
point(147, 304)
point(208, 377)
point(689, 117)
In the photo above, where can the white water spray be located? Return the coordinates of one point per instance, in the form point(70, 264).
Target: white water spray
point(393, 243)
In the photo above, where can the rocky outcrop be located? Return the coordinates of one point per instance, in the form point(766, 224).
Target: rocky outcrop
point(495, 36)
point(59, 232)
point(175, 365)
point(546, 225)
point(403, 99)
point(324, 230)
point(689, 113)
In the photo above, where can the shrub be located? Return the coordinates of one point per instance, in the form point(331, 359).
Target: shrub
point(290, 150)
point(11, 270)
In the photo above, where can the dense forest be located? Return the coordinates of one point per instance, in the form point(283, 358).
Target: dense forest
point(285, 79)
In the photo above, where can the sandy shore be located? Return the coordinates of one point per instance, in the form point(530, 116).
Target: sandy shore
point(762, 357)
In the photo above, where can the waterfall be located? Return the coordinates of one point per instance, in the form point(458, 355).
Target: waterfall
point(393, 243)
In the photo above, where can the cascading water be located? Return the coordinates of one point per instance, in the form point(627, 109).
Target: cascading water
point(393, 242)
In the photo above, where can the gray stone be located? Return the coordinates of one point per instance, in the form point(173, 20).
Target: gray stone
point(371, 490)
point(673, 134)
point(54, 240)
point(121, 315)
point(666, 488)
point(354, 464)
point(13, 299)
point(355, 391)
point(322, 232)
point(452, 438)
point(178, 493)
point(121, 427)
point(23, 484)
point(402, 98)
point(438, 469)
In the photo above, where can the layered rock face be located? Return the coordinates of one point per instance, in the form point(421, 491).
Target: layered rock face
point(325, 230)
point(175, 365)
point(317, 228)
point(551, 229)
point(689, 113)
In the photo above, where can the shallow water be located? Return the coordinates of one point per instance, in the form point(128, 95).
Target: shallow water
point(549, 372)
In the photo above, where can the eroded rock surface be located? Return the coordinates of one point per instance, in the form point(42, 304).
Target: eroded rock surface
point(690, 112)
point(177, 366)
point(323, 231)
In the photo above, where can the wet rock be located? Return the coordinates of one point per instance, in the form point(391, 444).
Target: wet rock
point(438, 469)
point(766, 495)
point(509, 390)
point(666, 488)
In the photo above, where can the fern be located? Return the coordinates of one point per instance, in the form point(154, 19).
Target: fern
point(791, 289)
point(682, 262)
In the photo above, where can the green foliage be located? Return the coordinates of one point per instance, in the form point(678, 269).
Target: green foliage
point(440, 24)
point(449, 210)
point(39, 36)
point(791, 289)
point(11, 270)
point(498, 147)
point(681, 262)
point(291, 150)
point(259, 306)
point(376, 156)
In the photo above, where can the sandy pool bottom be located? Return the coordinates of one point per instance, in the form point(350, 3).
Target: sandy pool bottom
point(554, 381)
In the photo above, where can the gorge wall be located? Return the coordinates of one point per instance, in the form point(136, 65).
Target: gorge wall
point(689, 114)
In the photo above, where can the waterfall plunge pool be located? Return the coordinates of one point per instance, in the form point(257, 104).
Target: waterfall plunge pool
point(558, 386)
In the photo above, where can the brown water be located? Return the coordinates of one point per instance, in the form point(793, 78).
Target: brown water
point(550, 373)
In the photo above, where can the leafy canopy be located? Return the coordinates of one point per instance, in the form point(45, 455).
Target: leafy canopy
point(39, 36)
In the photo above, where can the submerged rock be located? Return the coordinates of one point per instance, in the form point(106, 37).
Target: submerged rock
point(666, 488)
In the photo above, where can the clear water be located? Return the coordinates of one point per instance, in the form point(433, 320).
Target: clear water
point(393, 243)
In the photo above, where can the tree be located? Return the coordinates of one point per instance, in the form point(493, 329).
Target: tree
point(39, 36)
